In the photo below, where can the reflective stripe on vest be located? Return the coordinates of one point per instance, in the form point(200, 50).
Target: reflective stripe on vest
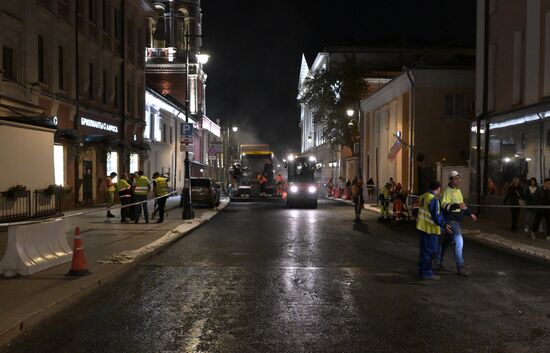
point(142, 186)
point(162, 186)
point(424, 221)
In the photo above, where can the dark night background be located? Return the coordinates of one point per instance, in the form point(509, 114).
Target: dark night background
point(256, 48)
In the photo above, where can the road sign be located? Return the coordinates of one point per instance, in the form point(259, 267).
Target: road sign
point(184, 139)
point(184, 147)
point(212, 158)
point(186, 129)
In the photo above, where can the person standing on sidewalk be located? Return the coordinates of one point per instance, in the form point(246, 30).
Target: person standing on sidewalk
point(357, 196)
point(160, 188)
point(454, 208)
point(429, 223)
point(384, 198)
point(514, 197)
point(140, 195)
point(543, 212)
point(110, 193)
point(533, 197)
point(124, 194)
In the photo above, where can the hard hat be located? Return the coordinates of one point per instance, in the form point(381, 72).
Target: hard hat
point(453, 174)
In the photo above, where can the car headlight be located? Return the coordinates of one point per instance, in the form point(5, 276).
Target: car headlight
point(312, 189)
point(293, 188)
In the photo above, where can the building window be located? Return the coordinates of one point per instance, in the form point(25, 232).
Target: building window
point(117, 25)
point(117, 93)
point(163, 132)
point(171, 136)
point(41, 59)
point(91, 79)
point(134, 162)
point(91, 10)
point(7, 63)
point(112, 163)
point(60, 67)
point(104, 16)
point(104, 96)
point(454, 106)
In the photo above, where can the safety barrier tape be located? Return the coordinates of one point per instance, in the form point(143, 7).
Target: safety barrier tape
point(114, 207)
point(496, 206)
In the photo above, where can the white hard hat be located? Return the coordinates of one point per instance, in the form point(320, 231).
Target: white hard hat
point(453, 174)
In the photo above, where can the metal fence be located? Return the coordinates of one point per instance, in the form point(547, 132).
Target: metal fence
point(46, 203)
point(15, 206)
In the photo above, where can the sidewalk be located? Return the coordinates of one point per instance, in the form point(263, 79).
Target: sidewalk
point(111, 249)
point(493, 233)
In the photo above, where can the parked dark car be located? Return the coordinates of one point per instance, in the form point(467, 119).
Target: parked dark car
point(205, 192)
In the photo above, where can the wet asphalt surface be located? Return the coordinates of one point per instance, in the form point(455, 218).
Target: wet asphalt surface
point(263, 278)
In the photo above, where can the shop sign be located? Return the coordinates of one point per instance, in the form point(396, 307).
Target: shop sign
point(98, 125)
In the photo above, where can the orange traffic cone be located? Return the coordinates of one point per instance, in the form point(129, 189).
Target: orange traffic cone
point(79, 266)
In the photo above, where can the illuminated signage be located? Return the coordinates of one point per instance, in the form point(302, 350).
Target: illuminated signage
point(98, 125)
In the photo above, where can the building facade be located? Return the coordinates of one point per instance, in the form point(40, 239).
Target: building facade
point(417, 122)
point(82, 64)
point(512, 134)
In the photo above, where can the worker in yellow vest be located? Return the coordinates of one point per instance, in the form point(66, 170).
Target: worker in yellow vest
point(455, 209)
point(160, 189)
point(429, 223)
point(140, 195)
point(110, 193)
point(384, 197)
point(124, 194)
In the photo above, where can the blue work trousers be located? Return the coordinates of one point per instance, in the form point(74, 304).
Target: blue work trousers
point(428, 250)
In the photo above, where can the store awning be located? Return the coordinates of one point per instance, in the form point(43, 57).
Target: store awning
point(69, 134)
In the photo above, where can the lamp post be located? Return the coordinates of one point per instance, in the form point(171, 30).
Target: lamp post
point(187, 207)
point(356, 151)
point(234, 128)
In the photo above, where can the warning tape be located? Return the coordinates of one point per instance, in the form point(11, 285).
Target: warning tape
point(83, 212)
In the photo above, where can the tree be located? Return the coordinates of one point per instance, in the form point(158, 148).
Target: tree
point(330, 93)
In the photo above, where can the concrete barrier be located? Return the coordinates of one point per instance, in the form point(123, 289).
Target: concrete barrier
point(35, 247)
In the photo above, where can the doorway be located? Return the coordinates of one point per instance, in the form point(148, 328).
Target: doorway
point(87, 182)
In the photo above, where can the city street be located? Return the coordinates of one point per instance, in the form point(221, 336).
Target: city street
point(263, 278)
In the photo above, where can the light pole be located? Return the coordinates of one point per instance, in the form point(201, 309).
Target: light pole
point(356, 151)
point(234, 128)
point(187, 207)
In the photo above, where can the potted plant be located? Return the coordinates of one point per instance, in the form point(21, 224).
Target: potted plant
point(51, 189)
point(16, 191)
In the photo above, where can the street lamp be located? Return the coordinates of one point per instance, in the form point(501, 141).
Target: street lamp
point(202, 58)
point(234, 128)
point(350, 112)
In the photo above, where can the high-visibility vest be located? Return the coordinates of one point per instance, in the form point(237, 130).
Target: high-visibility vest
point(109, 186)
point(424, 220)
point(123, 188)
point(142, 186)
point(161, 186)
point(450, 196)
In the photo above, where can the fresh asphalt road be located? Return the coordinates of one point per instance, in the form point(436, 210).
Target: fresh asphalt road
point(262, 278)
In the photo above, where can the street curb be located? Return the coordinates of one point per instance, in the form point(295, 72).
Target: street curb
point(469, 234)
point(79, 288)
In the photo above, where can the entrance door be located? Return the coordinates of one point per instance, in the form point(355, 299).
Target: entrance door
point(87, 181)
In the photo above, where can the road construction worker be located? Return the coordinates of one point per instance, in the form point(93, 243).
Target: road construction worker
point(125, 195)
point(110, 193)
point(140, 195)
point(280, 182)
point(454, 210)
point(262, 180)
point(429, 223)
point(384, 198)
point(357, 196)
point(160, 189)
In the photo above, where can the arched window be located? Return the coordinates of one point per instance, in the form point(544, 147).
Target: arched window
point(181, 29)
point(159, 28)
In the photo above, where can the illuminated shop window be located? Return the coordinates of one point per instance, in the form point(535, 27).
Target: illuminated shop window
point(59, 164)
point(134, 162)
point(112, 163)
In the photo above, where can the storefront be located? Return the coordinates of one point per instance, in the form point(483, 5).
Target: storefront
point(511, 145)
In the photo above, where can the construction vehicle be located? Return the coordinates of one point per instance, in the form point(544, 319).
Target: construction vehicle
point(253, 176)
point(302, 189)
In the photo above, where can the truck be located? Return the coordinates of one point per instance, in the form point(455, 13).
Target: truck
point(255, 163)
point(302, 188)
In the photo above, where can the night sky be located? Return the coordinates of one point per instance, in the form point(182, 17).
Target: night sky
point(256, 48)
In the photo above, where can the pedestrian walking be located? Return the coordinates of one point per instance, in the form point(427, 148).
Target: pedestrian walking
point(533, 197)
point(160, 189)
point(358, 200)
point(140, 195)
point(124, 194)
point(110, 193)
point(429, 223)
point(514, 197)
point(543, 212)
point(384, 198)
point(455, 210)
